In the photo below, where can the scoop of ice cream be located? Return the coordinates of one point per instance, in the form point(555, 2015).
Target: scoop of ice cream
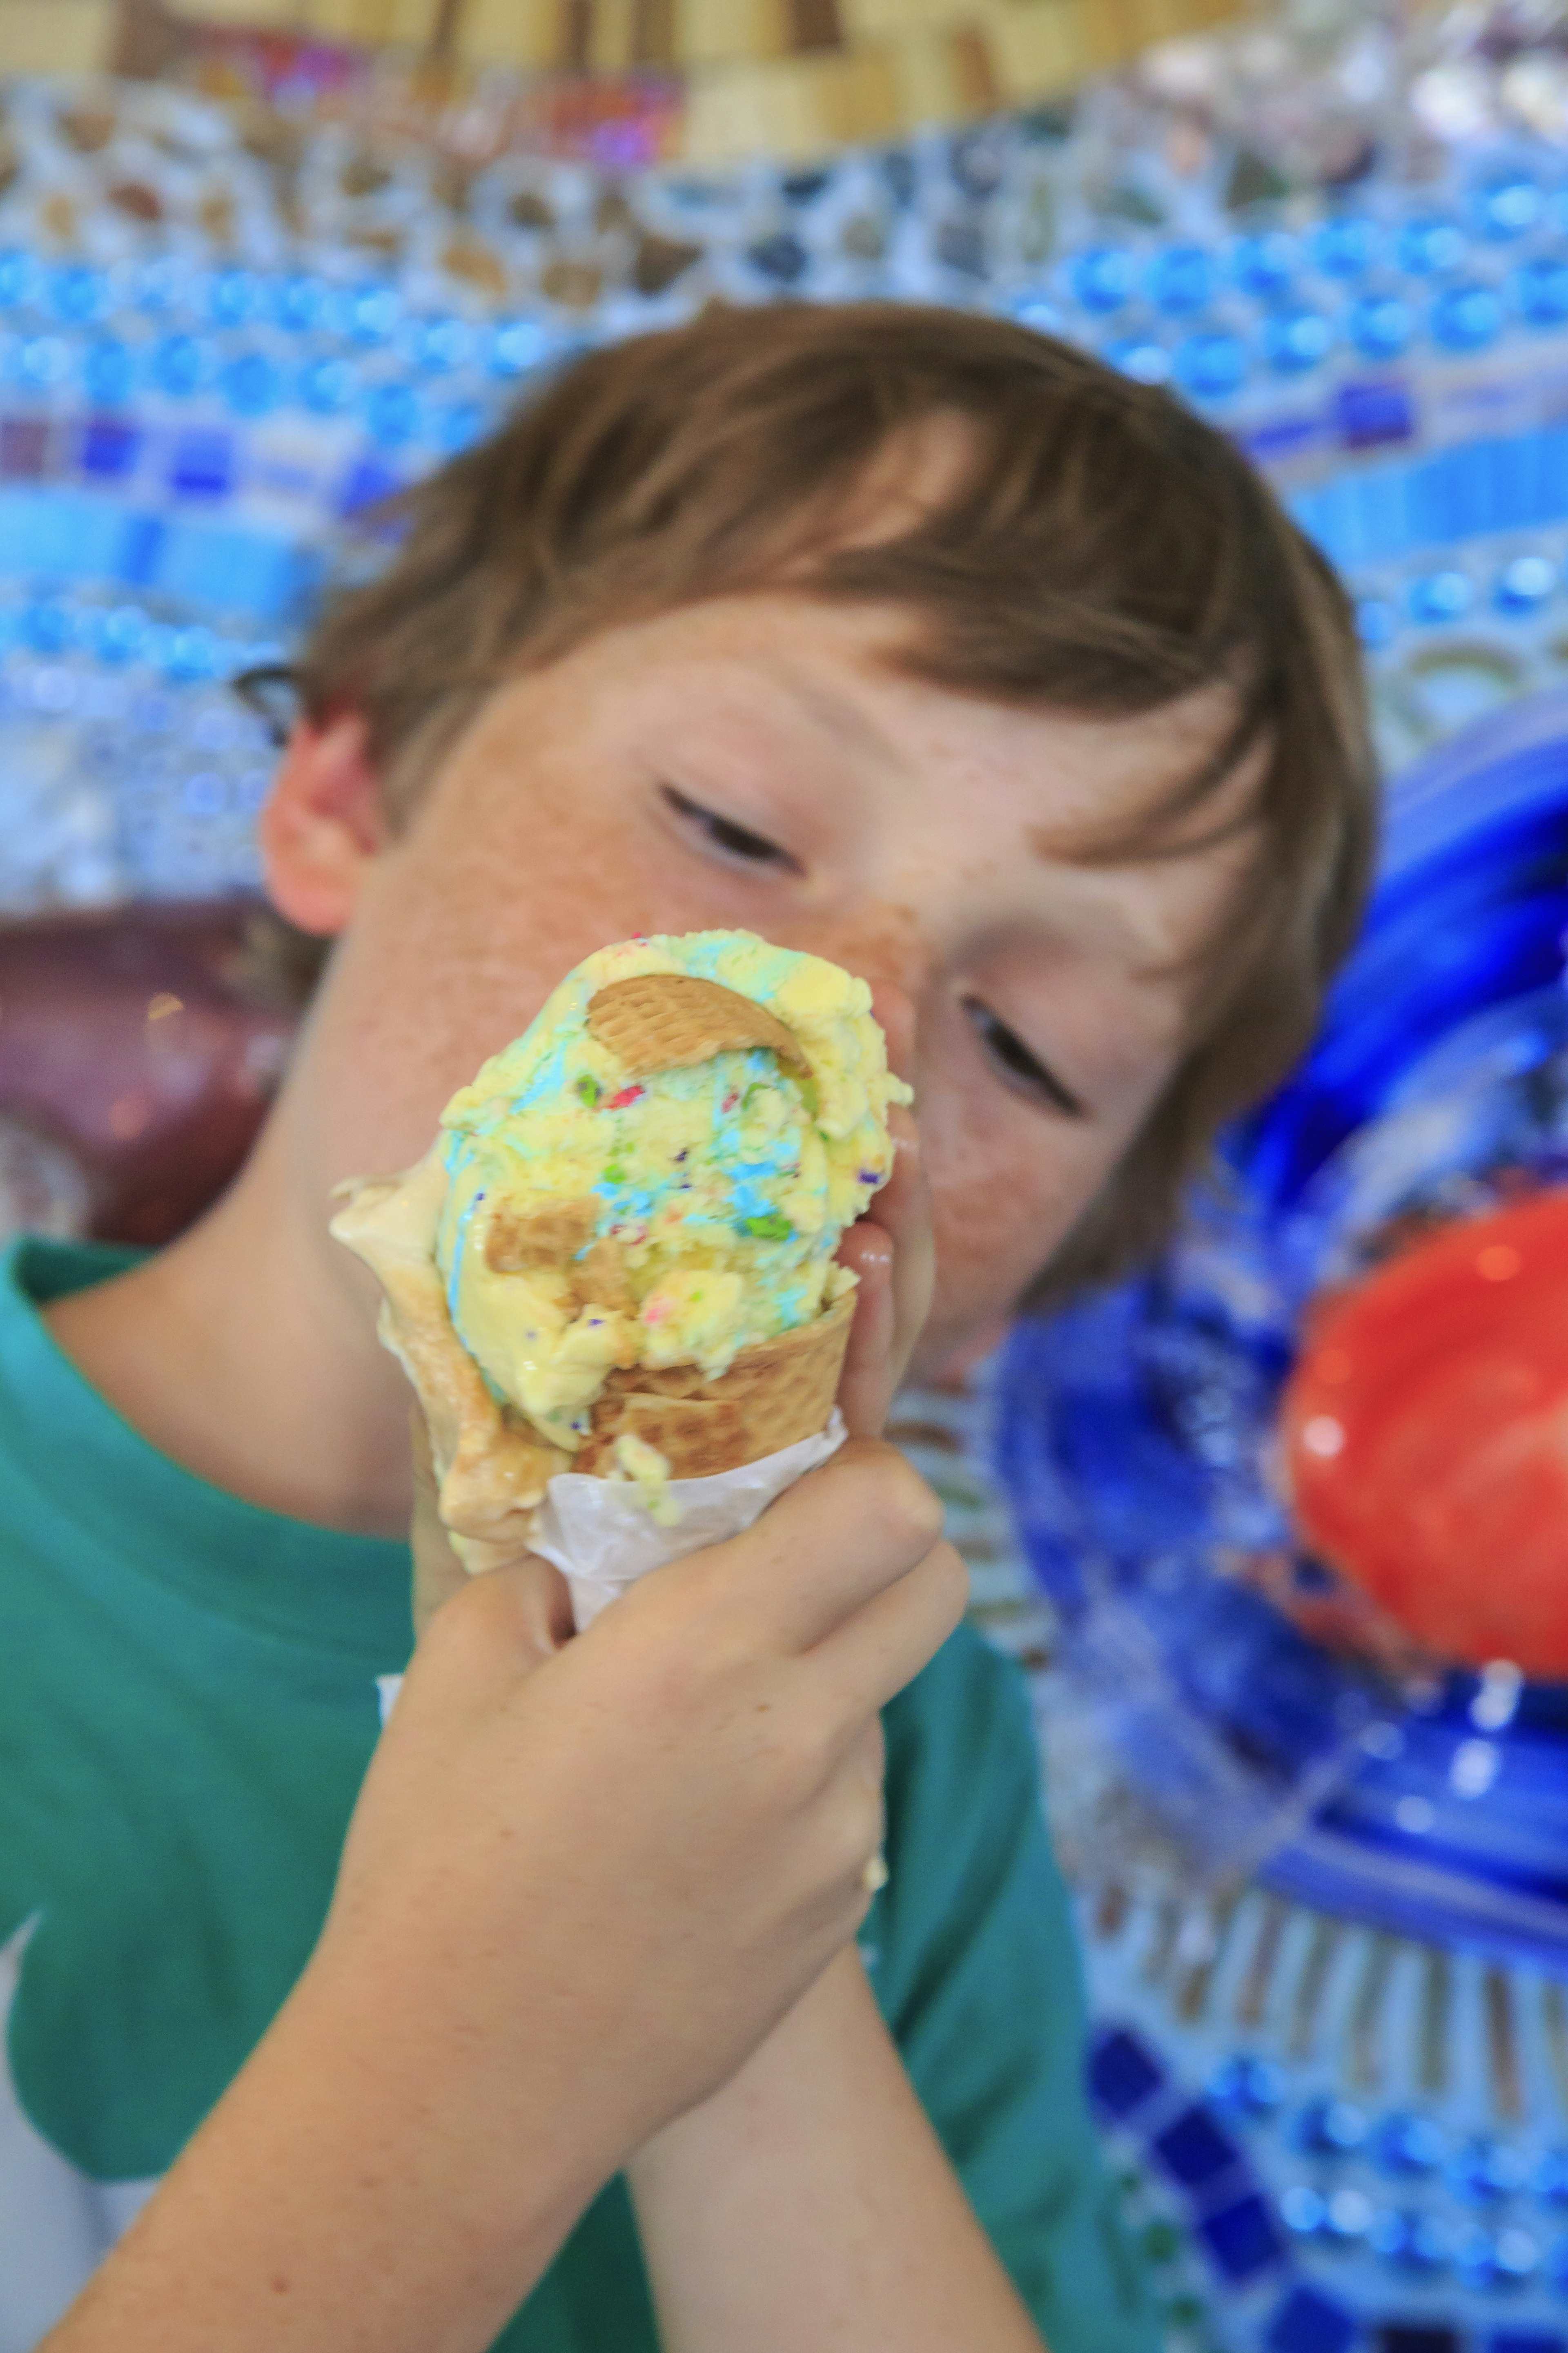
point(604, 1214)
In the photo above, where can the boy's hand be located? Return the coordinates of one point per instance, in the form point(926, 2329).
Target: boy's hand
point(594, 1876)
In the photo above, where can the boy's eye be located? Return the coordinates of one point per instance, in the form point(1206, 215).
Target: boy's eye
point(1018, 1066)
point(734, 841)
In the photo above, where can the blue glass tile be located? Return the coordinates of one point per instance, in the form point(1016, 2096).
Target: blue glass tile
point(328, 387)
point(42, 362)
point(1102, 278)
point(518, 345)
point(218, 569)
point(117, 634)
point(392, 415)
point(370, 313)
point(233, 297)
point(141, 549)
point(1368, 414)
point(1524, 585)
point(189, 655)
point(109, 447)
point(1381, 325)
point(1441, 596)
point(1411, 2145)
point(1428, 244)
point(181, 365)
point(46, 626)
point(1525, 2340)
point(252, 385)
point(1301, 2210)
point(1467, 317)
point(1509, 204)
point(1242, 2238)
point(1345, 245)
point(456, 425)
point(1193, 2148)
point(1264, 264)
point(1122, 2073)
point(1254, 2086)
point(1296, 340)
point(1211, 366)
point(1308, 2322)
point(1540, 290)
point(1416, 2242)
point(1334, 2128)
point(62, 535)
point(1550, 2180)
point(1348, 2217)
point(1487, 2169)
point(78, 293)
point(368, 483)
point(441, 343)
point(1180, 279)
point(20, 278)
point(108, 373)
point(203, 462)
point(1376, 621)
point(1139, 356)
point(1036, 311)
point(1485, 2259)
point(298, 301)
point(161, 284)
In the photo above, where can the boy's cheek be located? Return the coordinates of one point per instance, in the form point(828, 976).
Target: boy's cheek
point(1004, 1194)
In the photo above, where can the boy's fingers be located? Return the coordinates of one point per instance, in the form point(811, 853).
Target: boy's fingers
point(840, 1536)
point(875, 1653)
point(903, 1209)
point(488, 1637)
point(865, 1388)
point(892, 1252)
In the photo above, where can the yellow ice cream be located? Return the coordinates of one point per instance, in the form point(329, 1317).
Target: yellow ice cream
point(598, 1217)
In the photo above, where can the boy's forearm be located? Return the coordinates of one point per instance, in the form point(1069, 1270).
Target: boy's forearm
point(308, 2216)
point(809, 2203)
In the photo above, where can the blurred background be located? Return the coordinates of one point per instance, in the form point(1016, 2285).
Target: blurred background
point(1280, 1529)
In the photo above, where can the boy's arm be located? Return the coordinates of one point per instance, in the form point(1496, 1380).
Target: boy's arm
point(810, 2202)
point(580, 1886)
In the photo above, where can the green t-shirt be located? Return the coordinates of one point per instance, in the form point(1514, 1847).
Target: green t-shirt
point(188, 1699)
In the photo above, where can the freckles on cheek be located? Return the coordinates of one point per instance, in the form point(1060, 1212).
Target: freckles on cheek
point(1004, 1196)
point(460, 945)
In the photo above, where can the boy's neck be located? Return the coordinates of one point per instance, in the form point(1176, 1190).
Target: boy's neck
point(245, 1353)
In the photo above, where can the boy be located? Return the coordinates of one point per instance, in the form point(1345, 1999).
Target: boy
point(923, 643)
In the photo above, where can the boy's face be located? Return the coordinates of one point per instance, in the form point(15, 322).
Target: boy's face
point(755, 762)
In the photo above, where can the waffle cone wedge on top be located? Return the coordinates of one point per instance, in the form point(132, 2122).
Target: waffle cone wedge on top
point(492, 1465)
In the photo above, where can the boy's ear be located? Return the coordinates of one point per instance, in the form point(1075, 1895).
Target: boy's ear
point(322, 824)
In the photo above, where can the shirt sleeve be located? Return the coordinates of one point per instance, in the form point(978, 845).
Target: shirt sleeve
point(976, 1970)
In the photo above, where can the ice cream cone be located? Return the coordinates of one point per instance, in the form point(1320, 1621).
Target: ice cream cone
point(491, 1466)
point(617, 1260)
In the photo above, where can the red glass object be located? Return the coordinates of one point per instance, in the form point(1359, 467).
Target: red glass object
point(1426, 1430)
point(141, 1046)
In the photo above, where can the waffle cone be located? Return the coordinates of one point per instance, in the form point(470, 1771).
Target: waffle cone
point(775, 1393)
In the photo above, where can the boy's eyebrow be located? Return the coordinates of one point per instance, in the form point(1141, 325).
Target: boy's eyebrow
point(837, 714)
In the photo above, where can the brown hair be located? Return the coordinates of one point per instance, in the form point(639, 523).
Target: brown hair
point(1103, 552)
